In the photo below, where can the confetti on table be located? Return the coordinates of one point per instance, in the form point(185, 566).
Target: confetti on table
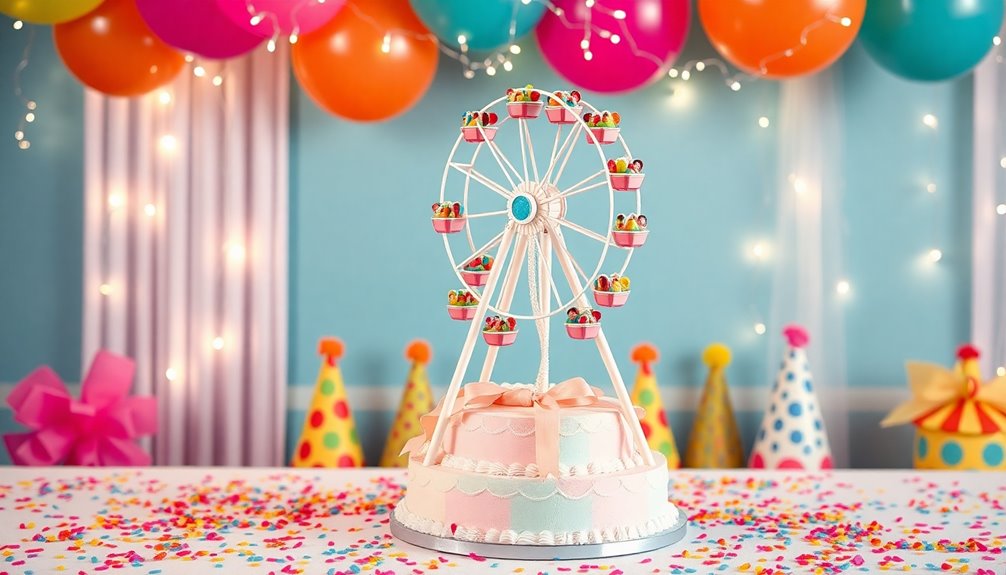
point(178, 520)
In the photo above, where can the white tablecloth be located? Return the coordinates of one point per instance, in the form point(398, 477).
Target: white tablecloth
point(215, 520)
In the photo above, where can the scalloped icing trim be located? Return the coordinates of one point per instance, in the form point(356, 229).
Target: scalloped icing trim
point(523, 427)
point(637, 480)
point(511, 537)
point(495, 468)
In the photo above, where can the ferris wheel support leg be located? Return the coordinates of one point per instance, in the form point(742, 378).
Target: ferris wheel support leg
point(506, 298)
point(468, 348)
point(544, 301)
point(605, 351)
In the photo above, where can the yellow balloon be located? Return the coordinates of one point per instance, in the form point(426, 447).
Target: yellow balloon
point(47, 11)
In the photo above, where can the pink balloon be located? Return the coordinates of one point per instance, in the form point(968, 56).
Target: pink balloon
point(197, 26)
point(301, 15)
point(658, 28)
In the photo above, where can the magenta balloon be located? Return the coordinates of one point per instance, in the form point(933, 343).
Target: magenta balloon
point(197, 26)
point(657, 27)
point(301, 15)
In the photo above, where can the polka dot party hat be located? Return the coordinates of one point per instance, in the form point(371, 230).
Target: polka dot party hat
point(960, 422)
point(646, 394)
point(417, 399)
point(792, 434)
point(329, 436)
point(715, 442)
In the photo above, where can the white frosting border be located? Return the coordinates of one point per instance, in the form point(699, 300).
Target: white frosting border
point(495, 468)
point(511, 537)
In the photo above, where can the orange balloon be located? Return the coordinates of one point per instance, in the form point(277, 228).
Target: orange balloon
point(112, 50)
point(763, 37)
point(350, 68)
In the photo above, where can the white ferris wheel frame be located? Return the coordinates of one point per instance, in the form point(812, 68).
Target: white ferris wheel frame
point(551, 177)
point(551, 242)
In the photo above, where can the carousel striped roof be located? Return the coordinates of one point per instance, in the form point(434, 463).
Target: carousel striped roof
point(965, 415)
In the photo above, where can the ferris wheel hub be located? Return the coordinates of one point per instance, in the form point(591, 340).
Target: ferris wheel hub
point(523, 208)
point(532, 202)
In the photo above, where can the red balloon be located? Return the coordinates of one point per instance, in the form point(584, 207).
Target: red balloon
point(374, 60)
point(112, 50)
point(623, 53)
point(763, 37)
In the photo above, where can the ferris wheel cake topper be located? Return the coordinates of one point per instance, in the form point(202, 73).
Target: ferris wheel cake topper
point(534, 225)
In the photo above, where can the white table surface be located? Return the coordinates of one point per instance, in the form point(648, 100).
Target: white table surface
point(220, 520)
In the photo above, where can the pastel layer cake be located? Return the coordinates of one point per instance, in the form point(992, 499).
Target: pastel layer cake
point(487, 487)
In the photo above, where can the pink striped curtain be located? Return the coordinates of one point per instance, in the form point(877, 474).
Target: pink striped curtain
point(185, 254)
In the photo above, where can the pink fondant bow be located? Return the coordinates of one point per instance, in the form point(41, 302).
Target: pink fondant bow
point(99, 429)
point(573, 392)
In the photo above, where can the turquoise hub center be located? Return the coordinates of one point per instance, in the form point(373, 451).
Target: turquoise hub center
point(521, 208)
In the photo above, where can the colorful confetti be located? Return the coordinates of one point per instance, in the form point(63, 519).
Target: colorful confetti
point(163, 521)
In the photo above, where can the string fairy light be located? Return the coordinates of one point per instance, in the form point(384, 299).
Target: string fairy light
point(501, 57)
point(258, 17)
point(733, 79)
point(30, 106)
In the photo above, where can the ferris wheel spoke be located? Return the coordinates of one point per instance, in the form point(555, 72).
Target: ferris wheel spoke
point(522, 124)
point(579, 269)
point(469, 170)
point(580, 230)
point(548, 271)
point(489, 245)
point(557, 153)
point(530, 153)
point(565, 159)
point(504, 163)
point(581, 186)
point(487, 214)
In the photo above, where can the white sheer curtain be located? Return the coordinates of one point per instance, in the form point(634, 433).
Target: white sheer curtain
point(988, 274)
point(808, 240)
point(185, 254)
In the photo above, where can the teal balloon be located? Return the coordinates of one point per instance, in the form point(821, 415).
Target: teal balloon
point(930, 40)
point(485, 24)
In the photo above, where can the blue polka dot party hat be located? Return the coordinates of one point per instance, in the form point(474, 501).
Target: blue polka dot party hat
point(792, 434)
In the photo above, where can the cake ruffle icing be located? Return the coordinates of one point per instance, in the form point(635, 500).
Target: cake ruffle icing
point(487, 485)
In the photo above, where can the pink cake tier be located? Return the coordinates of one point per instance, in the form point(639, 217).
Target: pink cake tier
point(486, 486)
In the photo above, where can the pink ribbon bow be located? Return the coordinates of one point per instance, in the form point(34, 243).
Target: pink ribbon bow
point(573, 392)
point(99, 429)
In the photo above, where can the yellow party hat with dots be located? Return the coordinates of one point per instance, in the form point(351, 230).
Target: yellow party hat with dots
point(329, 436)
point(715, 442)
point(417, 400)
point(960, 420)
point(646, 394)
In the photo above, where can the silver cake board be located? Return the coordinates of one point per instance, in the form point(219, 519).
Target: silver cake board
point(541, 552)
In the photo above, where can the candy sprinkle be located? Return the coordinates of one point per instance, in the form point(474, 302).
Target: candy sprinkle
point(164, 521)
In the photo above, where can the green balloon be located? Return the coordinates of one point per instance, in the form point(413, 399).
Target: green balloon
point(930, 40)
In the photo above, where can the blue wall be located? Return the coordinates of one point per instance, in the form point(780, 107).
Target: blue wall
point(41, 212)
point(710, 190)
